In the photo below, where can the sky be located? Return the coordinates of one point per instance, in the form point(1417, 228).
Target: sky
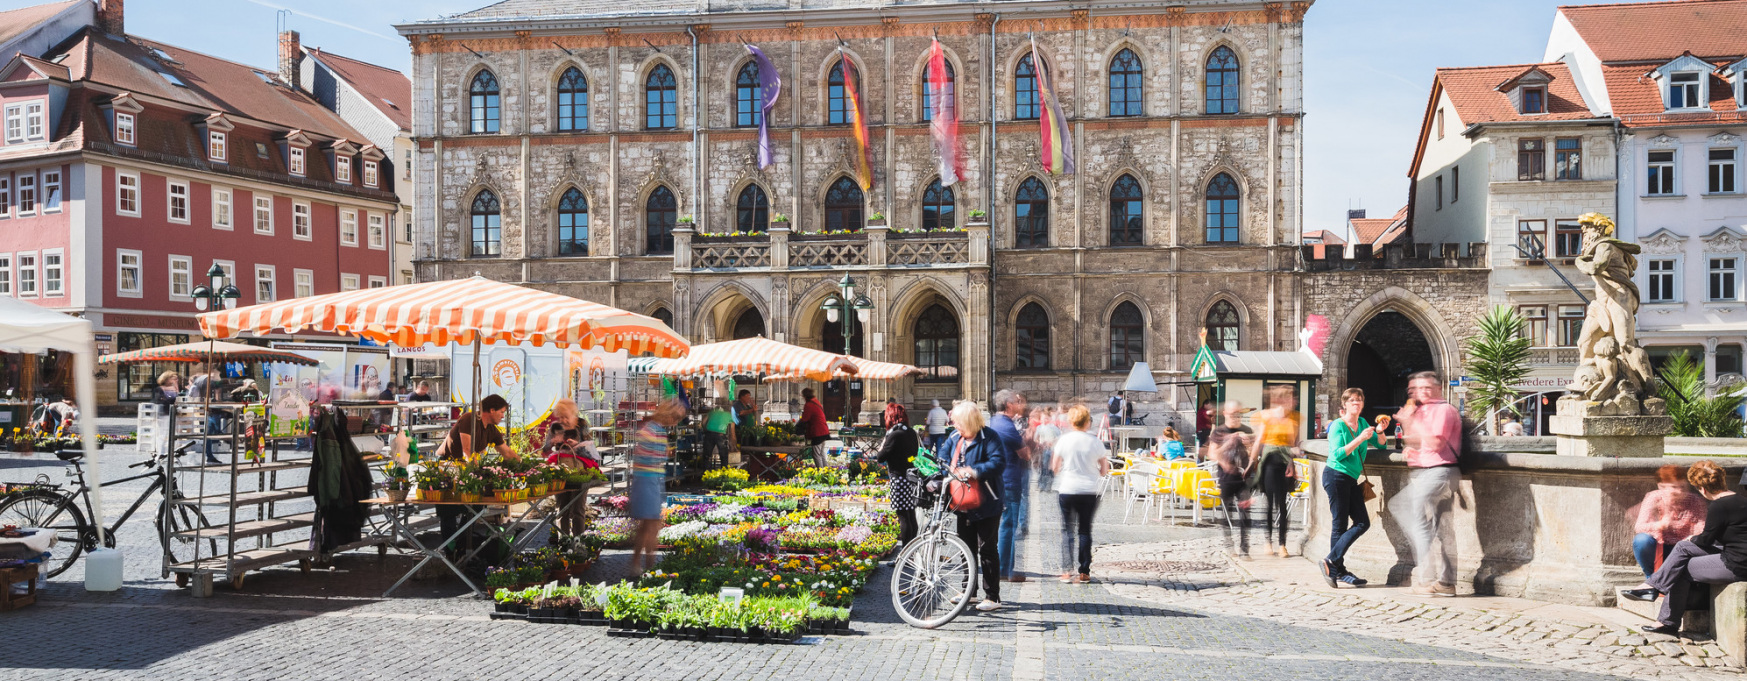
point(1368, 68)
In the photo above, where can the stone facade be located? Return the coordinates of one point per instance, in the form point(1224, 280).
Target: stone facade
point(980, 275)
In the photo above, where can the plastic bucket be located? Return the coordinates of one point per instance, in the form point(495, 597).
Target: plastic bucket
point(102, 570)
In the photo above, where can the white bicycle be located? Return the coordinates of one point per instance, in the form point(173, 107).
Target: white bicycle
point(936, 574)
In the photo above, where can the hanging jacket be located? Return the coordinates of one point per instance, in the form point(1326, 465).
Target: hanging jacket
point(339, 481)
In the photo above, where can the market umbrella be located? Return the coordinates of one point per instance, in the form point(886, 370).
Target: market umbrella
point(28, 329)
point(220, 351)
point(758, 356)
point(865, 369)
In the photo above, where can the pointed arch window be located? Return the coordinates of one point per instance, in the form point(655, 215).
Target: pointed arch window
point(752, 211)
point(749, 325)
point(1125, 74)
point(1031, 215)
point(1127, 336)
point(936, 336)
point(487, 218)
point(1222, 202)
point(748, 97)
point(572, 101)
point(1222, 81)
point(1031, 338)
point(660, 213)
point(1026, 103)
point(1125, 212)
point(839, 110)
point(938, 207)
point(950, 90)
point(664, 315)
point(573, 223)
point(485, 110)
point(1222, 327)
point(843, 204)
point(660, 99)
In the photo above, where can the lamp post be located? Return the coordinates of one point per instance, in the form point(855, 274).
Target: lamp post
point(219, 294)
point(837, 309)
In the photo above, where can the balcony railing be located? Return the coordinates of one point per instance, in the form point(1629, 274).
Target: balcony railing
point(874, 246)
point(1557, 357)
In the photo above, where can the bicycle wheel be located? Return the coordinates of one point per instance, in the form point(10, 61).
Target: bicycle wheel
point(51, 511)
point(181, 517)
point(933, 580)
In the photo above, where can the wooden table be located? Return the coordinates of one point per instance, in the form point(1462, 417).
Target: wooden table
point(763, 463)
point(17, 575)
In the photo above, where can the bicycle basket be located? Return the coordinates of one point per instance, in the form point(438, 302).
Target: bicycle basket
point(925, 464)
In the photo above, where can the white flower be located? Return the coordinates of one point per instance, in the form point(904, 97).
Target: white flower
point(685, 529)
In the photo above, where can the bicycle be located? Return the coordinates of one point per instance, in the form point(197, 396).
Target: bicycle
point(48, 506)
point(935, 576)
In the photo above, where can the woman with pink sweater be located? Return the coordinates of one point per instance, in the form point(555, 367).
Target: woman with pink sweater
point(1667, 515)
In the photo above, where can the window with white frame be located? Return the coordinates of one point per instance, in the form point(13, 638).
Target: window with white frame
point(215, 146)
point(124, 128)
point(295, 164)
point(26, 194)
point(406, 227)
point(303, 283)
point(53, 274)
point(348, 228)
point(229, 267)
point(33, 121)
point(1660, 171)
point(221, 208)
point(406, 167)
point(300, 221)
point(263, 214)
point(5, 197)
point(1683, 90)
point(5, 274)
point(370, 173)
point(1661, 281)
point(378, 282)
point(1570, 324)
point(127, 273)
point(1531, 236)
point(1722, 167)
point(343, 169)
point(1534, 324)
point(406, 276)
point(27, 275)
point(378, 232)
point(1723, 279)
point(181, 276)
point(127, 194)
point(14, 123)
point(348, 282)
point(178, 203)
point(266, 283)
point(51, 191)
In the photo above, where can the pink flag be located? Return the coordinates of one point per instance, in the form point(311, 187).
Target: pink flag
point(943, 104)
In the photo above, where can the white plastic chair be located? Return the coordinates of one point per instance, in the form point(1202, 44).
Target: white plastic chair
point(1140, 482)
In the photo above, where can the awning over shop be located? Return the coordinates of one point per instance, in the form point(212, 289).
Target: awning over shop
point(759, 356)
point(1211, 364)
point(220, 351)
point(865, 369)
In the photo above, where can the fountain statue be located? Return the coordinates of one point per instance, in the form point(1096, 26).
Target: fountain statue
point(1609, 410)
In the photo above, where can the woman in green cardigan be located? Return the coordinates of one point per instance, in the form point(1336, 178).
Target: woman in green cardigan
point(1349, 438)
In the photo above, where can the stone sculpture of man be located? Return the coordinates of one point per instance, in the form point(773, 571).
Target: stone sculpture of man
point(1612, 369)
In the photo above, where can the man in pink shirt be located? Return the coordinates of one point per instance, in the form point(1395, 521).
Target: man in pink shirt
point(1432, 433)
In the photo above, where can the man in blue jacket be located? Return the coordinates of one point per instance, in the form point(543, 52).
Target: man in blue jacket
point(1016, 478)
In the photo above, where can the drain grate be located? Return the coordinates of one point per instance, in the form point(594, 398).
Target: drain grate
point(1168, 567)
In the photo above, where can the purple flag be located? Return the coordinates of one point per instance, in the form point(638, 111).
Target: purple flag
point(769, 86)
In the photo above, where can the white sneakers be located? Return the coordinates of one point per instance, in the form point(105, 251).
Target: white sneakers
point(988, 605)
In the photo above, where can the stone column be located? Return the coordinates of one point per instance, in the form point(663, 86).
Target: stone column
point(976, 353)
point(876, 242)
point(779, 246)
point(977, 230)
point(682, 246)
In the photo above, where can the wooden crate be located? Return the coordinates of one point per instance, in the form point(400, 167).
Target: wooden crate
point(10, 576)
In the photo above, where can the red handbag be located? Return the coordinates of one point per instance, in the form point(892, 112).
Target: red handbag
point(963, 496)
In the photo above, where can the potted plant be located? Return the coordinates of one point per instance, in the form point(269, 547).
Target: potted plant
point(779, 218)
point(432, 481)
point(978, 215)
point(468, 486)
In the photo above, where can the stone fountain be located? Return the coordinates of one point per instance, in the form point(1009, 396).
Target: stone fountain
point(1609, 411)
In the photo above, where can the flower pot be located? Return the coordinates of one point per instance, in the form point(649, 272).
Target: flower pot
point(504, 495)
point(430, 495)
point(469, 497)
point(397, 496)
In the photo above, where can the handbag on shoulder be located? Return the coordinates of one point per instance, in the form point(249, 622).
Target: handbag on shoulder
point(963, 496)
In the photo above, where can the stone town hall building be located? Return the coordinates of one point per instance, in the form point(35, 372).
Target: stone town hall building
point(565, 144)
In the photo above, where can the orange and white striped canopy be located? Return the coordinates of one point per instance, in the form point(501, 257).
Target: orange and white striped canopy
point(865, 369)
point(456, 311)
point(203, 350)
point(757, 356)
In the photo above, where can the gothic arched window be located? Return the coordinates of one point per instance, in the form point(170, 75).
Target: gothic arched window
point(751, 210)
point(843, 203)
point(1222, 81)
point(573, 223)
point(1031, 338)
point(1222, 327)
point(938, 207)
point(748, 97)
point(838, 110)
point(1125, 212)
point(1222, 200)
point(659, 215)
point(484, 103)
point(950, 91)
point(936, 336)
point(572, 101)
point(1125, 73)
point(1031, 215)
point(661, 99)
point(1027, 104)
point(1127, 336)
point(487, 218)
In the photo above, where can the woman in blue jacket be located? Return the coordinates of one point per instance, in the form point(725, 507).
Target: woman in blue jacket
point(980, 459)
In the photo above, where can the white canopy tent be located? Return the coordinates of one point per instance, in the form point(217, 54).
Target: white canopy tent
point(28, 329)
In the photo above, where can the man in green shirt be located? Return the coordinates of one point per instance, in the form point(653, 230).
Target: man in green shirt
point(1349, 438)
point(719, 437)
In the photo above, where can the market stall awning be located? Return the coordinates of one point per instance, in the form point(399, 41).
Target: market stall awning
point(1211, 364)
point(197, 352)
point(643, 366)
point(460, 311)
point(26, 328)
point(865, 369)
point(759, 356)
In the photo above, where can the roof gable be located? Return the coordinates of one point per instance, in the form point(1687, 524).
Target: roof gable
point(1533, 75)
point(1685, 62)
point(1481, 94)
point(24, 67)
point(386, 89)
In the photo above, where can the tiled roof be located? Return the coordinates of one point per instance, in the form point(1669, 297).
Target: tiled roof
point(1637, 99)
point(1474, 91)
point(1661, 30)
point(387, 89)
point(136, 65)
point(529, 9)
point(1366, 230)
point(14, 23)
point(1324, 236)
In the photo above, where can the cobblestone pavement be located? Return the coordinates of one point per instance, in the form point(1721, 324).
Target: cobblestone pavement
point(331, 624)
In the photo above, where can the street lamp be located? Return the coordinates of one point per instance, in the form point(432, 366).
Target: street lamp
point(837, 309)
point(220, 294)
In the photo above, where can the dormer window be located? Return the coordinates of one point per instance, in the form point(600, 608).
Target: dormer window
point(1534, 100)
point(369, 173)
point(124, 128)
point(216, 147)
point(343, 169)
point(1683, 91)
point(295, 162)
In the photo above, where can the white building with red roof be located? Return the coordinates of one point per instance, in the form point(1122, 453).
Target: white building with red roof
point(1671, 75)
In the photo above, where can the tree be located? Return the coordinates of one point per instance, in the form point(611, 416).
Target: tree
point(1498, 359)
point(1696, 413)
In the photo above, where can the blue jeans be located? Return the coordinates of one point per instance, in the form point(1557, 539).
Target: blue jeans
point(1012, 512)
point(1345, 504)
point(214, 426)
point(1644, 549)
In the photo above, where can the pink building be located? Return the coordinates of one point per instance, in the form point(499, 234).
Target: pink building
point(128, 168)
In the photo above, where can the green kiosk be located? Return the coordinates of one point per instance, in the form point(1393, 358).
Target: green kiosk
point(1246, 375)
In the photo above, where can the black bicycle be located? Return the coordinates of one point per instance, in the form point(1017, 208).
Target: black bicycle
point(43, 504)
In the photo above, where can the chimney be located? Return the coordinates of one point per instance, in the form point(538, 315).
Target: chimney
point(1355, 214)
point(109, 17)
point(291, 60)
